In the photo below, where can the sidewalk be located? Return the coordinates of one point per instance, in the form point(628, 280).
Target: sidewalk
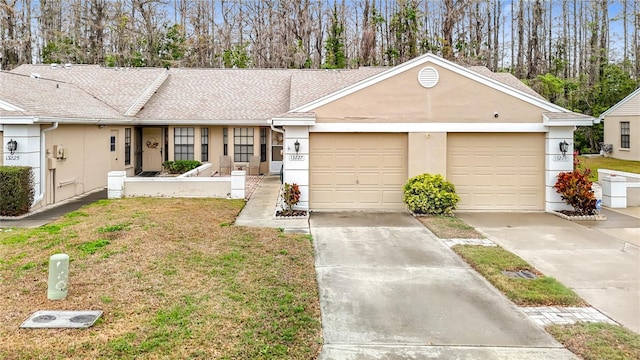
point(259, 211)
point(599, 260)
point(51, 213)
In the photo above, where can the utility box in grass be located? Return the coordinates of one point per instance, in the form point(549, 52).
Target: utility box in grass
point(58, 284)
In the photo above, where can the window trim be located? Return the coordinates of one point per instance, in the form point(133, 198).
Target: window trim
point(263, 144)
point(204, 144)
point(183, 150)
point(242, 144)
point(625, 135)
point(127, 146)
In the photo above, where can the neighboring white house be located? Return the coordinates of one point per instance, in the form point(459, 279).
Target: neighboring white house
point(622, 128)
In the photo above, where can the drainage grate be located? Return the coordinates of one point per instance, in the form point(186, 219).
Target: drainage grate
point(520, 274)
point(62, 319)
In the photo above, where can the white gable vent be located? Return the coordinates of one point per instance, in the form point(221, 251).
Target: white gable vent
point(428, 77)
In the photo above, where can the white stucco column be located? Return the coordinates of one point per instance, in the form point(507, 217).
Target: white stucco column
point(28, 151)
point(296, 165)
point(238, 183)
point(555, 162)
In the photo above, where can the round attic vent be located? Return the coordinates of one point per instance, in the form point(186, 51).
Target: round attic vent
point(428, 77)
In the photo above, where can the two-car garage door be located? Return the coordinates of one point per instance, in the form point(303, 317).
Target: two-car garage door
point(350, 171)
point(491, 171)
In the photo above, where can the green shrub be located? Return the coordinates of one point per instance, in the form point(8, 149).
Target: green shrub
point(180, 166)
point(430, 194)
point(16, 190)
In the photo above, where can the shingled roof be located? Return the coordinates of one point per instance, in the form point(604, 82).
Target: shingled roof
point(182, 95)
point(44, 98)
point(121, 88)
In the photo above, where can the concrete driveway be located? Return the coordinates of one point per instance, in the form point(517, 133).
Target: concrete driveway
point(599, 260)
point(389, 289)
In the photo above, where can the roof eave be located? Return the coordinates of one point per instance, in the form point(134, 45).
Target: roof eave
point(569, 121)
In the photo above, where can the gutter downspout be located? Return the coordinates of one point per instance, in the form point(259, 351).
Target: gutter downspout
point(43, 163)
point(281, 131)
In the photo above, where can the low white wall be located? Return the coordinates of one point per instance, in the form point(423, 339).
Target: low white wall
point(204, 170)
point(119, 185)
point(178, 187)
point(632, 184)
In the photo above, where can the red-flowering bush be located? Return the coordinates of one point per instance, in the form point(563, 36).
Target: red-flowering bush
point(291, 196)
point(575, 188)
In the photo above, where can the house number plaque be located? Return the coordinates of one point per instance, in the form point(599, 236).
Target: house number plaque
point(296, 157)
point(12, 157)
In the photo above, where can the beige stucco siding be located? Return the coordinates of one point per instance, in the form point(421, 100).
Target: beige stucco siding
point(612, 136)
point(402, 99)
point(88, 160)
point(497, 171)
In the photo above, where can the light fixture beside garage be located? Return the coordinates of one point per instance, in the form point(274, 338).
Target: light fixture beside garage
point(12, 146)
point(428, 77)
point(564, 147)
point(296, 145)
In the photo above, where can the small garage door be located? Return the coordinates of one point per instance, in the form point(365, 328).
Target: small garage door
point(357, 171)
point(497, 171)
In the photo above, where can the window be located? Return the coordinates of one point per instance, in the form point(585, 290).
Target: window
point(242, 144)
point(127, 146)
point(263, 144)
point(183, 142)
point(625, 135)
point(112, 143)
point(204, 144)
point(225, 141)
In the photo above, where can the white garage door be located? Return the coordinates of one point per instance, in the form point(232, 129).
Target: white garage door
point(497, 171)
point(357, 171)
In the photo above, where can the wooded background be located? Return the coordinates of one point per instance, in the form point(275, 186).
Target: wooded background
point(581, 54)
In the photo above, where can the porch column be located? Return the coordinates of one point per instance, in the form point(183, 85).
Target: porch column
point(555, 163)
point(296, 165)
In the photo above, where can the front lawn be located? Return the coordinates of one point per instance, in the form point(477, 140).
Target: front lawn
point(600, 162)
point(174, 278)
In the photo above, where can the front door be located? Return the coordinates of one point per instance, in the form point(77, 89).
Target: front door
point(152, 149)
point(275, 162)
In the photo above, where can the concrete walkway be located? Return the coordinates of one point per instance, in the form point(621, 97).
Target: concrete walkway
point(389, 289)
point(599, 260)
point(260, 210)
point(51, 213)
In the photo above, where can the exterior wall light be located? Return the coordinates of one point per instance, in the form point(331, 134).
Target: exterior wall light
point(12, 146)
point(297, 146)
point(564, 147)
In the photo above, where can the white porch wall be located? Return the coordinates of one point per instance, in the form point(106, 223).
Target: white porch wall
point(296, 168)
point(28, 152)
point(556, 163)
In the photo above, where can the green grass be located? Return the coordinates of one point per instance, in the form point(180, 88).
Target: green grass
point(449, 227)
point(595, 341)
point(91, 247)
point(595, 163)
point(490, 261)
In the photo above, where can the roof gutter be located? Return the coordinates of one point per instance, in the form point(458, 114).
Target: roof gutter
point(43, 163)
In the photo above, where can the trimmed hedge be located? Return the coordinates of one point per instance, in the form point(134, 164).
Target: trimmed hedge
point(16, 190)
point(180, 166)
point(430, 194)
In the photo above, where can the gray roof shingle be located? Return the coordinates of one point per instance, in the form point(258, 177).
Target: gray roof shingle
point(120, 88)
point(42, 97)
